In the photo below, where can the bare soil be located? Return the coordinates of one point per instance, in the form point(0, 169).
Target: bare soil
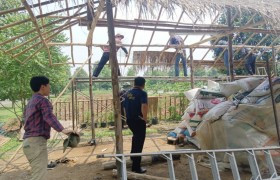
point(86, 166)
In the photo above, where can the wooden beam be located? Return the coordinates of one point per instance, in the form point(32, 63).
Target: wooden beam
point(33, 19)
point(93, 25)
point(115, 83)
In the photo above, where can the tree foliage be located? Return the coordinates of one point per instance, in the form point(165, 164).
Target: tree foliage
point(14, 74)
point(242, 37)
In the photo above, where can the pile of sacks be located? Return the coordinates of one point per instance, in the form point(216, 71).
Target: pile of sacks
point(230, 115)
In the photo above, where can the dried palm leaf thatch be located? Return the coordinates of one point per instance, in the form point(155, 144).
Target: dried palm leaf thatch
point(269, 9)
point(152, 58)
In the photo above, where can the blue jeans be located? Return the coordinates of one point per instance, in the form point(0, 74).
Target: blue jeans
point(180, 56)
point(104, 59)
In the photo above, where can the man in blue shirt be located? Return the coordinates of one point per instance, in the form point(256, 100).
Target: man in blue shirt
point(136, 108)
point(178, 41)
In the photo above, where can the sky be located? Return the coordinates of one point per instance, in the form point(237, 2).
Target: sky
point(100, 36)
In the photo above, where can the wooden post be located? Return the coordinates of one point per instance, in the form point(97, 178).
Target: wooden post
point(93, 141)
point(115, 83)
point(73, 106)
point(76, 102)
point(191, 67)
point(274, 61)
point(230, 50)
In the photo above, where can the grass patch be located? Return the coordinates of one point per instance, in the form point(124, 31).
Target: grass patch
point(6, 115)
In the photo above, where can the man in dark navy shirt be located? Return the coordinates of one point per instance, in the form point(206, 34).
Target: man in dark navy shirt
point(136, 108)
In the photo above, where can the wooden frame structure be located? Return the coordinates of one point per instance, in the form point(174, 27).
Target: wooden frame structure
point(76, 14)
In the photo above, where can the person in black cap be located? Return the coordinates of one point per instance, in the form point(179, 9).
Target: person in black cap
point(136, 108)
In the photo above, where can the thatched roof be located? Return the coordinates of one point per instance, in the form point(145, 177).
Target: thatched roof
point(269, 9)
point(77, 11)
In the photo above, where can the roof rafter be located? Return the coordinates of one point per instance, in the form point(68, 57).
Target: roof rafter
point(33, 19)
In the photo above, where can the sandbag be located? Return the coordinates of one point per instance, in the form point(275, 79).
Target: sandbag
point(217, 111)
point(263, 89)
point(207, 94)
point(191, 93)
point(230, 88)
point(202, 106)
point(212, 85)
point(248, 84)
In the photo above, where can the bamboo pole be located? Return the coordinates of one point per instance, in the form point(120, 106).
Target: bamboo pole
point(93, 25)
point(191, 67)
point(73, 104)
point(201, 46)
point(39, 16)
point(273, 100)
point(34, 29)
point(230, 50)
point(34, 21)
point(133, 37)
point(153, 33)
point(74, 76)
point(239, 29)
point(244, 58)
point(115, 83)
point(71, 34)
point(166, 44)
point(23, 8)
point(36, 37)
point(47, 39)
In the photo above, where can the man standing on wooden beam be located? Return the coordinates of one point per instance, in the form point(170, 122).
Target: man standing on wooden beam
point(136, 108)
point(181, 54)
point(106, 55)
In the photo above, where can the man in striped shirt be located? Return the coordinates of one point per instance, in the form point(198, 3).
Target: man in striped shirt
point(38, 120)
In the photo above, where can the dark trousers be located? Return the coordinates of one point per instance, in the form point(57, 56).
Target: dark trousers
point(104, 59)
point(250, 65)
point(138, 128)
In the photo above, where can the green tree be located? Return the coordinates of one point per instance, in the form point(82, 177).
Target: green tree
point(131, 72)
point(244, 36)
point(82, 74)
point(15, 73)
point(106, 72)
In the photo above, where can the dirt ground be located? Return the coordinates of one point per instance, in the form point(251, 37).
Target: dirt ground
point(84, 164)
